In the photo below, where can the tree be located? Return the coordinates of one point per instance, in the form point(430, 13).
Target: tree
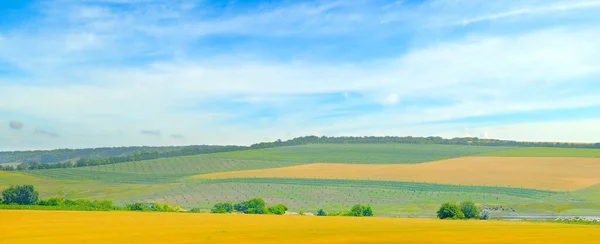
point(368, 211)
point(136, 206)
point(222, 207)
point(22, 195)
point(469, 210)
point(450, 211)
point(359, 210)
point(278, 209)
point(321, 213)
point(253, 206)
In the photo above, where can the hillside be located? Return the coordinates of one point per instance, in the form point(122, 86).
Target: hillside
point(169, 180)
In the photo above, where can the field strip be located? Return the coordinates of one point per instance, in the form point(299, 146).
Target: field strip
point(395, 185)
point(545, 152)
point(553, 174)
point(66, 227)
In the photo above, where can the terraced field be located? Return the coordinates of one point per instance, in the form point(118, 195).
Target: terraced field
point(65, 227)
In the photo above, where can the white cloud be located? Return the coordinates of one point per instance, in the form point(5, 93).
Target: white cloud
point(90, 103)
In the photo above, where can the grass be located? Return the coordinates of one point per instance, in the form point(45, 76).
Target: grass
point(61, 227)
point(545, 152)
point(556, 174)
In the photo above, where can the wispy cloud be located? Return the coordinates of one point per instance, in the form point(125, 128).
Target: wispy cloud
point(150, 132)
point(45, 133)
point(534, 9)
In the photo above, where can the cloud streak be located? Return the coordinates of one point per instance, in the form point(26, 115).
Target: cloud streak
point(45, 133)
point(569, 6)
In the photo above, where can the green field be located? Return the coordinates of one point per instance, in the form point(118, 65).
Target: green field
point(363, 153)
point(546, 152)
point(167, 180)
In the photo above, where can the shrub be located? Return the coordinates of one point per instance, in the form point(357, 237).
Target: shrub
point(22, 195)
point(450, 211)
point(278, 209)
point(136, 206)
point(253, 206)
point(56, 201)
point(195, 210)
point(321, 213)
point(469, 210)
point(223, 207)
point(359, 210)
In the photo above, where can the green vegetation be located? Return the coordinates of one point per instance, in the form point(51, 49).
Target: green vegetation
point(466, 210)
point(252, 206)
point(21, 195)
point(546, 152)
point(469, 209)
point(450, 211)
point(321, 212)
point(278, 209)
point(104, 156)
point(223, 207)
point(361, 153)
point(360, 210)
point(61, 155)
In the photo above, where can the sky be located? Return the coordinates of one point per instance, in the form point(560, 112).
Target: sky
point(105, 73)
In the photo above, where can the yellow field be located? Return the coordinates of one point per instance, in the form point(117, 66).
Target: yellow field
point(130, 227)
point(557, 174)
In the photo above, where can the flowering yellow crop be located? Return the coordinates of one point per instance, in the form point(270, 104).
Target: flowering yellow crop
point(131, 227)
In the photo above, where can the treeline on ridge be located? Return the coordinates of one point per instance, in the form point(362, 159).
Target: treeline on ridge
point(39, 162)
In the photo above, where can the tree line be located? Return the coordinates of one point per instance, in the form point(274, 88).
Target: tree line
point(166, 152)
point(25, 196)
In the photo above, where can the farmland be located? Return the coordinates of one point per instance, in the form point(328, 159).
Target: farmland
point(557, 174)
point(396, 179)
point(61, 227)
point(545, 152)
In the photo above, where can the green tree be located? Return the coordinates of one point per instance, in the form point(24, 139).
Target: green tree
point(360, 210)
point(450, 211)
point(469, 210)
point(321, 213)
point(368, 211)
point(22, 195)
point(222, 207)
point(252, 206)
point(136, 206)
point(278, 209)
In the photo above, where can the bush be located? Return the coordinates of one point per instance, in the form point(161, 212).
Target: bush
point(253, 206)
point(485, 214)
point(56, 201)
point(450, 211)
point(223, 207)
point(469, 210)
point(136, 206)
point(278, 209)
point(22, 195)
point(359, 210)
point(321, 213)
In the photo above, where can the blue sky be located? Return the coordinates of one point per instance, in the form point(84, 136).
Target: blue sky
point(90, 73)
